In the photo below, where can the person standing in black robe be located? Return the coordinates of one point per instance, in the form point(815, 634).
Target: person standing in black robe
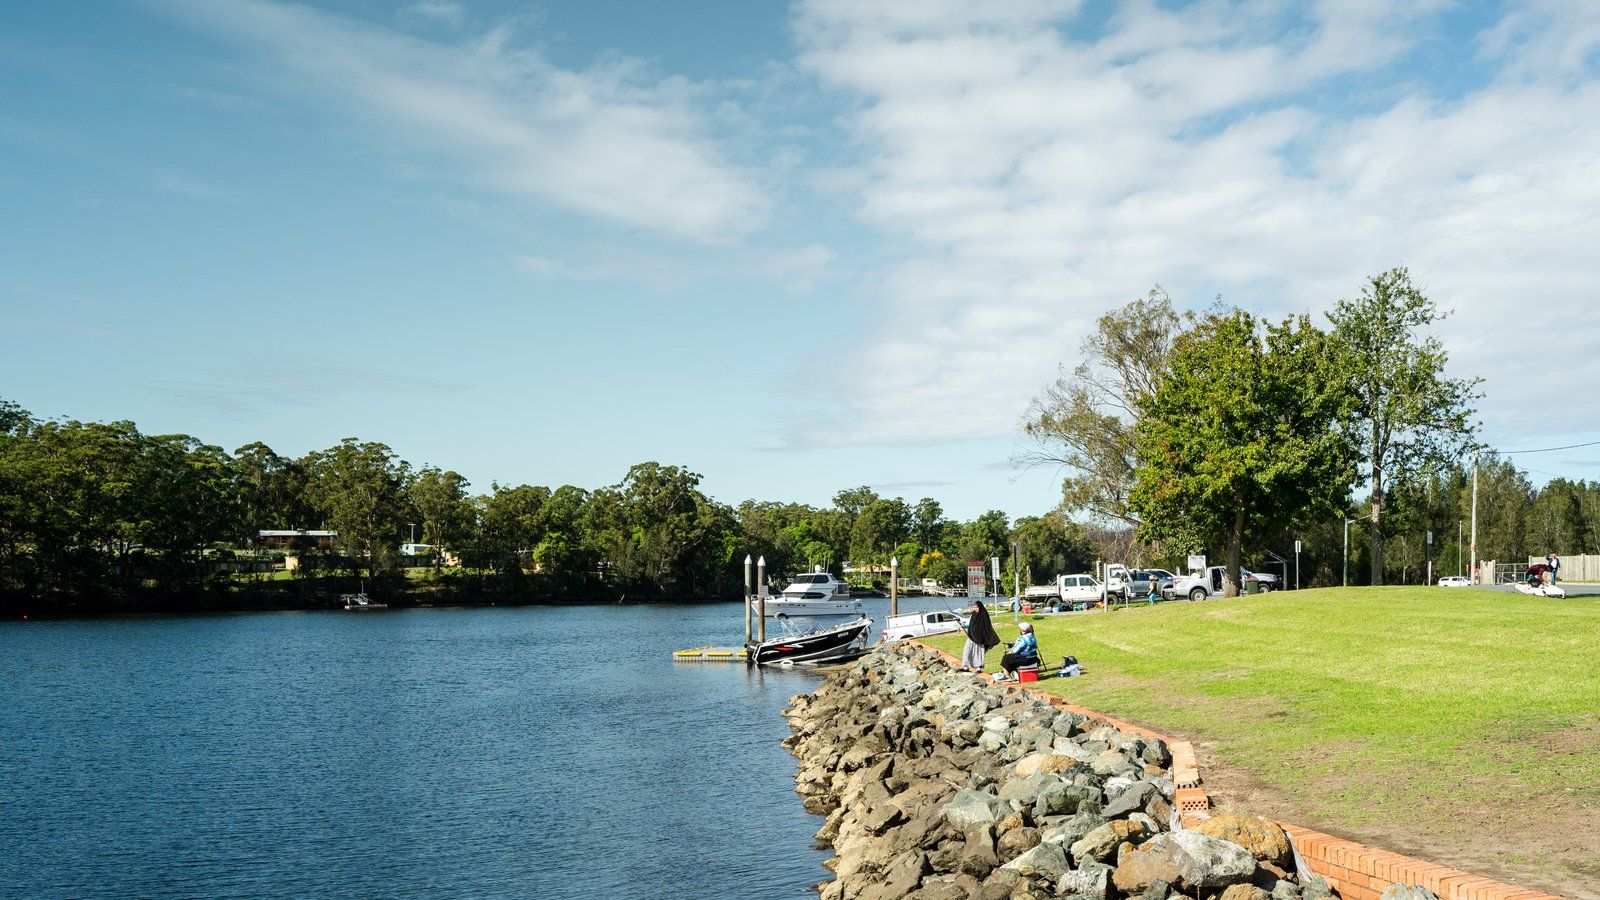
point(980, 638)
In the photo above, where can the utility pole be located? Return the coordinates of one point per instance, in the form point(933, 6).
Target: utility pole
point(761, 599)
point(749, 591)
point(1476, 579)
point(1460, 545)
point(1297, 564)
point(1347, 551)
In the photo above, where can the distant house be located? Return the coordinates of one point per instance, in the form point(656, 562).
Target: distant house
point(292, 539)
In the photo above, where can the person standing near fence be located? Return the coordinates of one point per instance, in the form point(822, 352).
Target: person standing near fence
point(1554, 562)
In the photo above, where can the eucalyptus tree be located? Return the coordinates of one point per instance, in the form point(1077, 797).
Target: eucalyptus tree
point(360, 488)
point(1242, 435)
point(1409, 416)
point(927, 520)
point(1086, 421)
point(443, 510)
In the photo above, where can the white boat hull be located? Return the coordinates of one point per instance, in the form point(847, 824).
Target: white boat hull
point(778, 606)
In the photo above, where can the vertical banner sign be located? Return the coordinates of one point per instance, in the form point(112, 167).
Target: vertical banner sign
point(976, 581)
point(994, 571)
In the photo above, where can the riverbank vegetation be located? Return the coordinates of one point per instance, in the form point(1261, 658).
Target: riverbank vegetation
point(1461, 721)
point(104, 517)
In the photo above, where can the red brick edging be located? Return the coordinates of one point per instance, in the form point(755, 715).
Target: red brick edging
point(1357, 871)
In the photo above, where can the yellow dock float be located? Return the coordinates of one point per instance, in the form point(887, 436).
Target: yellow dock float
point(710, 654)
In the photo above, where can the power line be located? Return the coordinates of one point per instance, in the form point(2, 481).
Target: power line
point(1551, 449)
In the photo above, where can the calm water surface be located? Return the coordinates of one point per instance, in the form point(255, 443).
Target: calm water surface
point(551, 752)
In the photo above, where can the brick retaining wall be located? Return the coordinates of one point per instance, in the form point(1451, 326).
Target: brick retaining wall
point(1358, 872)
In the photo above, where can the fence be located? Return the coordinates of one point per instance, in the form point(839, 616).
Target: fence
point(1575, 568)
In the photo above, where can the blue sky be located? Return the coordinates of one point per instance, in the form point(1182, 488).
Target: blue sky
point(795, 248)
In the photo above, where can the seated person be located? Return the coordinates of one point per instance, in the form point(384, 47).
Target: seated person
point(1025, 652)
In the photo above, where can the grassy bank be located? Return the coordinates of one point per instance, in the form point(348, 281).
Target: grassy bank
point(1461, 724)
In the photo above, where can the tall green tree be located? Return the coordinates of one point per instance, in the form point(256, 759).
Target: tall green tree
point(443, 510)
point(360, 487)
point(927, 517)
point(881, 525)
point(1242, 435)
point(270, 491)
point(1410, 416)
point(1085, 423)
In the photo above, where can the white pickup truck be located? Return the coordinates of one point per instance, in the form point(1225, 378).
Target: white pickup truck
point(1201, 585)
point(923, 624)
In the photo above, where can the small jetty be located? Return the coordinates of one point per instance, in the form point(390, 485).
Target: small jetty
point(711, 654)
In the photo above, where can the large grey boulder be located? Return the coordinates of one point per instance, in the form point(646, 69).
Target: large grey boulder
point(1044, 861)
point(1090, 881)
point(1073, 830)
point(1187, 859)
point(1063, 800)
point(1101, 844)
point(970, 809)
point(1026, 790)
point(1129, 801)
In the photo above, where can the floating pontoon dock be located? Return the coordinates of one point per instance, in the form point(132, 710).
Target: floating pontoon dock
point(710, 654)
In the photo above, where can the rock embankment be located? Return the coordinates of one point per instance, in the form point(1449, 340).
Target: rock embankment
point(939, 785)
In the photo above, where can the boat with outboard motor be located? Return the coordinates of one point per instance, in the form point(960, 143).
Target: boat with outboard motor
point(814, 594)
point(818, 644)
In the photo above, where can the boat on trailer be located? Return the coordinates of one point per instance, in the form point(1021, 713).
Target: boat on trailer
point(819, 644)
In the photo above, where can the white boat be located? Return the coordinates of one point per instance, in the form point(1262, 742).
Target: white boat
point(361, 601)
point(814, 594)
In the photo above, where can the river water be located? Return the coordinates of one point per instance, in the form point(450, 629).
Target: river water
point(556, 752)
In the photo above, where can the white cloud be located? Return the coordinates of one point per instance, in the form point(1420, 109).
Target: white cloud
point(1031, 178)
point(451, 14)
point(607, 142)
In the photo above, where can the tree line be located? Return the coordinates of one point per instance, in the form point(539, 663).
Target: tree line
point(102, 516)
point(1232, 434)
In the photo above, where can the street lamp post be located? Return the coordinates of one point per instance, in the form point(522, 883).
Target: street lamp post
point(894, 586)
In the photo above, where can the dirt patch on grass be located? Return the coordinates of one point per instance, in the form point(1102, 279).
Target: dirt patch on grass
point(1580, 736)
point(1494, 824)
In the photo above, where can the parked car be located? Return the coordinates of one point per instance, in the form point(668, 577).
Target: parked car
point(1267, 582)
point(1139, 581)
point(1454, 581)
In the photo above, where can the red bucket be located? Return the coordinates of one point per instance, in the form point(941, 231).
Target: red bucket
point(1026, 675)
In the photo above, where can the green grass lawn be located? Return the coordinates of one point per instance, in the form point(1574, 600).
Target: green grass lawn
point(1416, 717)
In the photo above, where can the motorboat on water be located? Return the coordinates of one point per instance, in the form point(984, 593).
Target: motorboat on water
point(819, 644)
point(361, 601)
point(814, 594)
